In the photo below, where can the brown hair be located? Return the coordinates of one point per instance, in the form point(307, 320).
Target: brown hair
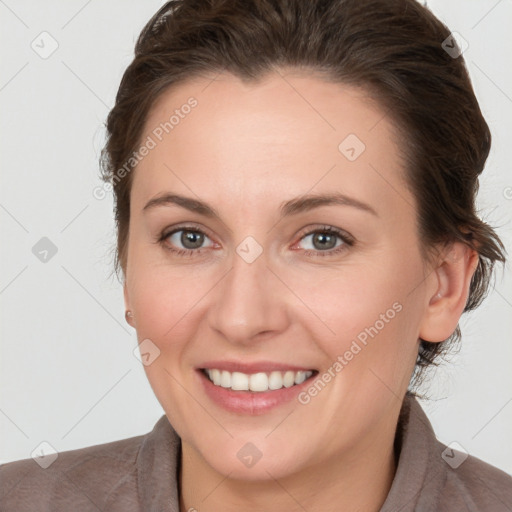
point(393, 48)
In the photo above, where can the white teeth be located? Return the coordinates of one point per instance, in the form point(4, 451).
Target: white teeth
point(275, 380)
point(257, 382)
point(289, 379)
point(300, 377)
point(225, 379)
point(239, 381)
point(215, 376)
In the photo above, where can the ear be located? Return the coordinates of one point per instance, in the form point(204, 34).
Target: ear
point(448, 294)
point(127, 305)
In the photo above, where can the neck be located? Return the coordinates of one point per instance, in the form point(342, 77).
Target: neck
point(355, 481)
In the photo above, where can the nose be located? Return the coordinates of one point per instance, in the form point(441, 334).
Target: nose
point(249, 303)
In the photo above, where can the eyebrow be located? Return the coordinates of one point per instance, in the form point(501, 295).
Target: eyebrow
point(291, 207)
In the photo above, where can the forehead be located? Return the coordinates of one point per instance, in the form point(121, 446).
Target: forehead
point(289, 132)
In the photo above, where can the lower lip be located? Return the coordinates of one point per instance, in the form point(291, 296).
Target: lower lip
point(251, 402)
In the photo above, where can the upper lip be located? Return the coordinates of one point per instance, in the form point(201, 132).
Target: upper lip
point(254, 367)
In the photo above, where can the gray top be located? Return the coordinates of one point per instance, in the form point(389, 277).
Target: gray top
point(141, 474)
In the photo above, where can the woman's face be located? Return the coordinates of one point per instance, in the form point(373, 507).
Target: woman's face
point(232, 269)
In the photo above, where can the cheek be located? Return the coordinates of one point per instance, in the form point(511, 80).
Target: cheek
point(167, 305)
point(364, 311)
point(165, 301)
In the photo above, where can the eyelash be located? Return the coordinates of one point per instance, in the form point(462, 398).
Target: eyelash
point(347, 240)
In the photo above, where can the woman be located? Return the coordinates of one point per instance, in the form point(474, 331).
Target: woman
point(294, 186)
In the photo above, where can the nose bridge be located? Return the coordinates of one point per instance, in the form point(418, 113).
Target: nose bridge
point(247, 300)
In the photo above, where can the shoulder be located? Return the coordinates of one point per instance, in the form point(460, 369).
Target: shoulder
point(474, 484)
point(84, 477)
point(432, 476)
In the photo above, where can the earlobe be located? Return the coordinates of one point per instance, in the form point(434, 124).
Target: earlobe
point(448, 300)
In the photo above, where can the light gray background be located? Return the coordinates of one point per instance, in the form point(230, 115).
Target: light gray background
point(68, 373)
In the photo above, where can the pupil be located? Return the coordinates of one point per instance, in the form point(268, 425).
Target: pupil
point(322, 238)
point(191, 239)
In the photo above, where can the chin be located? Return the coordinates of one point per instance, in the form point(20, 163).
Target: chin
point(256, 460)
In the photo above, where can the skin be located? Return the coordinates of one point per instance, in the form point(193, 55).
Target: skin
point(244, 150)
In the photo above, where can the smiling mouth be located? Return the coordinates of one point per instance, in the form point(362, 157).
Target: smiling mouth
point(257, 382)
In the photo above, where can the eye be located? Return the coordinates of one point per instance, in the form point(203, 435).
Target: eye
point(185, 240)
point(325, 241)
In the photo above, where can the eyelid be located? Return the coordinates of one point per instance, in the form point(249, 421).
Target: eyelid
point(326, 228)
point(186, 227)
